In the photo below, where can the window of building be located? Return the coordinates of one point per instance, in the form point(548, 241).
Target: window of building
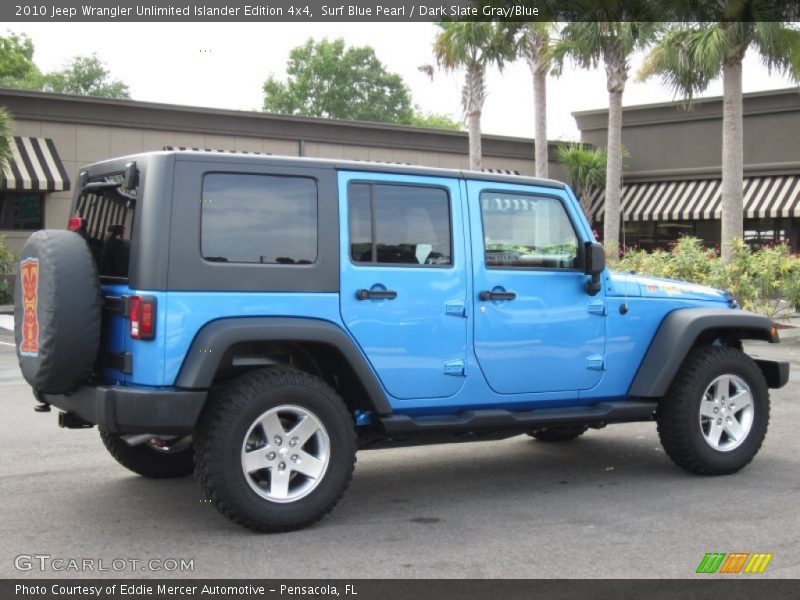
point(21, 210)
point(399, 224)
point(527, 231)
point(259, 219)
point(766, 232)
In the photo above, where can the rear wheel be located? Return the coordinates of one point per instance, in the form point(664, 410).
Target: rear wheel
point(714, 417)
point(559, 434)
point(275, 449)
point(155, 458)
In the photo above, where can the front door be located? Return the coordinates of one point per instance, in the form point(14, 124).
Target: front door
point(536, 327)
point(403, 289)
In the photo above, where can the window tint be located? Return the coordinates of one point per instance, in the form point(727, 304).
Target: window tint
point(259, 219)
point(399, 224)
point(527, 231)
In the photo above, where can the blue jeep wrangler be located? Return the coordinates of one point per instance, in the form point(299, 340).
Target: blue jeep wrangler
point(259, 319)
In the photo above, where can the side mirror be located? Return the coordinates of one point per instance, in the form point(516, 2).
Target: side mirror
point(594, 263)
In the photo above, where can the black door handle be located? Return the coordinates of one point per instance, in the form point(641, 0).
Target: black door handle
point(375, 295)
point(486, 295)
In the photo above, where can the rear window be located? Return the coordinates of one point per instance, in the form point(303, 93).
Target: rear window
point(108, 217)
point(267, 219)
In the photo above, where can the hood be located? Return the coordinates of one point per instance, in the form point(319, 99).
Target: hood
point(623, 284)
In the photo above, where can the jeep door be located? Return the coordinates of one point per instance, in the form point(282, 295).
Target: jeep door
point(536, 327)
point(403, 288)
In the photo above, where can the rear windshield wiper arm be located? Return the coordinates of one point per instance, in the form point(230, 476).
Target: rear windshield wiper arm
point(106, 187)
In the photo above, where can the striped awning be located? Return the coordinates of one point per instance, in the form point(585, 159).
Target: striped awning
point(701, 199)
point(34, 167)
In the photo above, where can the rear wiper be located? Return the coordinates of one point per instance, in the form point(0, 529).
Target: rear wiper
point(112, 187)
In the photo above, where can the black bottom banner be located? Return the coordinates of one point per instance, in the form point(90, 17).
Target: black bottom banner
point(400, 589)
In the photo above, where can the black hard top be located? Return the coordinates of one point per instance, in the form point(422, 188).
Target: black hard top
point(349, 165)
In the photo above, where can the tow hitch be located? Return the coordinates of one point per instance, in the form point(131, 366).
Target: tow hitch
point(70, 421)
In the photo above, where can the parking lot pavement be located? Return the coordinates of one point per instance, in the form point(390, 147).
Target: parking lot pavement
point(608, 505)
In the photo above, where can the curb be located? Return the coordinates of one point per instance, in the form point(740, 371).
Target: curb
point(789, 334)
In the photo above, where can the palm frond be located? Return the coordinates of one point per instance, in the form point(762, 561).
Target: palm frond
point(6, 122)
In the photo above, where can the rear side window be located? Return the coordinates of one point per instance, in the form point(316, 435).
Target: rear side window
point(266, 219)
point(399, 224)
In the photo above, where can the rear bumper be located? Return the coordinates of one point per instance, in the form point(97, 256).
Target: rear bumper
point(133, 410)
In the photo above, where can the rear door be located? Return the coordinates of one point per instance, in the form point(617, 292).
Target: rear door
point(403, 288)
point(106, 221)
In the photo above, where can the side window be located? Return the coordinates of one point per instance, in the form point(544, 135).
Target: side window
point(399, 224)
point(259, 219)
point(527, 231)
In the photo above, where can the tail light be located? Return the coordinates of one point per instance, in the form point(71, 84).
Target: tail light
point(142, 315)
point(76, 223)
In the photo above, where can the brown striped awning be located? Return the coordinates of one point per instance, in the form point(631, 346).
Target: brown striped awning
point(34, 167)
point(700, 199)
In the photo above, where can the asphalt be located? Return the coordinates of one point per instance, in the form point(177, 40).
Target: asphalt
point(608, 505)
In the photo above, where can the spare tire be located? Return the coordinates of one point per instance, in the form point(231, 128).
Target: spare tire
point(57, 311)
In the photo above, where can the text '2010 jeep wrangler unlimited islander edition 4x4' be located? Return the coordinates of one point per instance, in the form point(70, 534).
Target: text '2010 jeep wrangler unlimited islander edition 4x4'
point(258, 319)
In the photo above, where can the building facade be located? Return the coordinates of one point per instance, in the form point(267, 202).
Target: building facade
point(56, 134)
point(671, 179)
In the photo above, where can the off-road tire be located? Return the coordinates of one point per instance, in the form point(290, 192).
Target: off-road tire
point(147, 461)
point(58, 341)
point(228, 415)
point(678, 411)
point(559, 434)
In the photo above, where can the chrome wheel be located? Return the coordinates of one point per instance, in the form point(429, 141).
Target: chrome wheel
point(726, 413)
point(285, 453)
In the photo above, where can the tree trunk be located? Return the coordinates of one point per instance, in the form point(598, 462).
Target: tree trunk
point(732, 156)
point(474, 96)
point(540, 121)
point(474, 124)
point(613, 175)
point(536, 46)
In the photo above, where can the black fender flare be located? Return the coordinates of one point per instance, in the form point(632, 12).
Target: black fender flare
point(214, 338)
point(678, 333)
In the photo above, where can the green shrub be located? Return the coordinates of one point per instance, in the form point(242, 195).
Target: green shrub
point(760, 280)
point(7, 265)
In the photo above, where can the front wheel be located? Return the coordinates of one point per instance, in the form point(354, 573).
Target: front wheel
point(275, 449)
point(714, 417)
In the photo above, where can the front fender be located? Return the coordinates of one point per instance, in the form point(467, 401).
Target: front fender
point(678, 333)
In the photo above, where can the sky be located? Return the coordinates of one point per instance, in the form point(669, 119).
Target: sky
point(223, 65)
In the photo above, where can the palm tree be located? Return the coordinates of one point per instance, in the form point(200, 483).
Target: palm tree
point(612, 43)
point(6, 122)
point(689, 57)
point(534, 45)
point(586, 169)
point(474, 47)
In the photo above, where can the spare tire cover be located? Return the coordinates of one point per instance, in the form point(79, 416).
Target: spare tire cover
point(57, 311)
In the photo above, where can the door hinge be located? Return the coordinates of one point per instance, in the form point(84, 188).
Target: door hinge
point(121, 361)
point(597, 307)
point(454, 367)
point(117, 305)
point(596, 362)
point(455, 309)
